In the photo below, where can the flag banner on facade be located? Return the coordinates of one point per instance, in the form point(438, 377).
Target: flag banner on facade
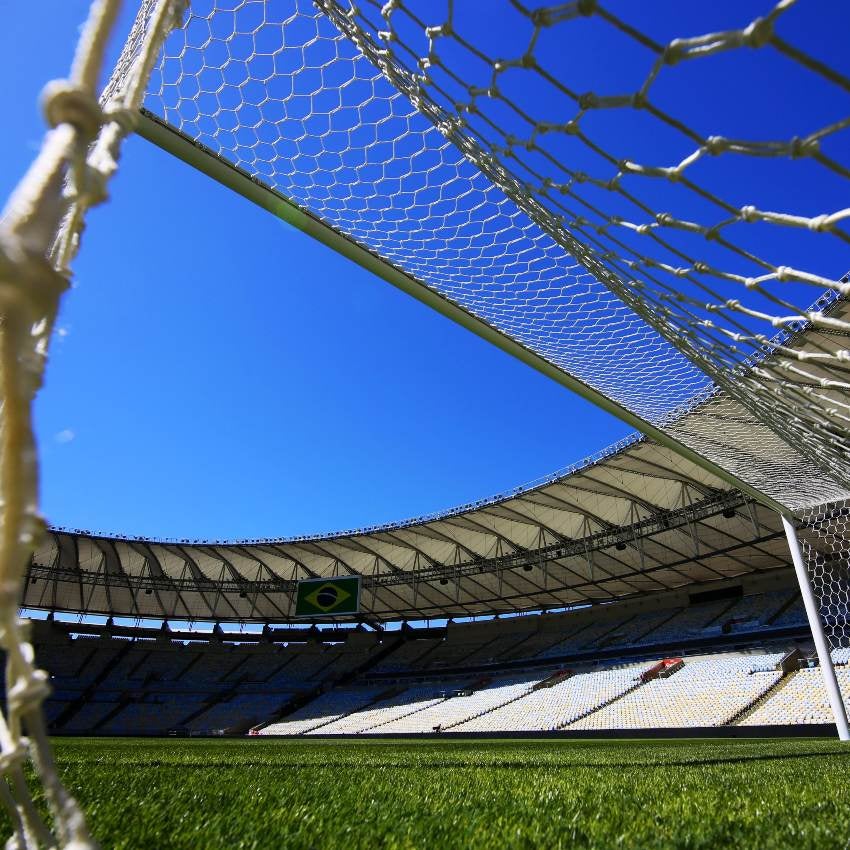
point(328, 597)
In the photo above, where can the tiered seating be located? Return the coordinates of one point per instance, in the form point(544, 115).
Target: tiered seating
point(370, 719)
point(321, 711)
point(451, 712)
point(533, 645)
point(691, 622)
point(754, 610)
point(241, 711)
point(90, 715)
point(802, 699)
point(461, 642)
point(794, 615)
point(494, 651)
point(840, 657)
point(408, 655)
point(583, 635)
point(638, 628)
point(552, 708)
point(120, 680)
point(706, 692)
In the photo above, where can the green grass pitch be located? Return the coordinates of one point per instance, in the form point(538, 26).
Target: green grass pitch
point(274, 794)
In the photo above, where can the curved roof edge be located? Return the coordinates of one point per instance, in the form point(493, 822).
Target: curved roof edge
point(564, 472)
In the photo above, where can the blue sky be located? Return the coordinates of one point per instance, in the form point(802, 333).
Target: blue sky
point(217, 374)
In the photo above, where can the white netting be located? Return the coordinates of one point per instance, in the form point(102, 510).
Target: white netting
point(825, 542)
point(39, 236)
point(462, 152)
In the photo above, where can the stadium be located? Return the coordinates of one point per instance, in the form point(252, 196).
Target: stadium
point(647, 648)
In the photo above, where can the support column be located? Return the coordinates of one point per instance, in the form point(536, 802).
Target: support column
point(830, 681)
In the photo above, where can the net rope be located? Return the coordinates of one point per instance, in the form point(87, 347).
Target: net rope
point(40, 232)
point(480, 171)
point(711, 330)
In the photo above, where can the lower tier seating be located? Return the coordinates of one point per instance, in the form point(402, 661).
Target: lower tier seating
point(596, 667)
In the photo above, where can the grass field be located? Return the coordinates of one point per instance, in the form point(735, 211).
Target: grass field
point(196, 794)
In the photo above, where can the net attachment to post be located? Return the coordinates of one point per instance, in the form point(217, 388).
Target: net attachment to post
point(39, 236)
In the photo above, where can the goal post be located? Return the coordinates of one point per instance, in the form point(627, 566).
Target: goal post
point(813, 615)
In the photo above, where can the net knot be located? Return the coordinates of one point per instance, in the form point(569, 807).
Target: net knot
point(64, 103)
point(388, 8)
point(803, 147)
point(748, 214)
point(126, 119)
point(715, 145)
point(444, 29)
point(673, 51)
point(820, 224)
point(759, 32)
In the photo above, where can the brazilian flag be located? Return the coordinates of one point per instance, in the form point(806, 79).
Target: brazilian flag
point(328, 597)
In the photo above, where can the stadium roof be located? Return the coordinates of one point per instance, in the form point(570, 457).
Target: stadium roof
point(633, 520)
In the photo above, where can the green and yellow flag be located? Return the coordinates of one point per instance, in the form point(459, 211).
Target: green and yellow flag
point(328, 597)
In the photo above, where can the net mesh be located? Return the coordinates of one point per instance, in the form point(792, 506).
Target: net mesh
point(825, 541)
point(612, 230)
point(39, 236)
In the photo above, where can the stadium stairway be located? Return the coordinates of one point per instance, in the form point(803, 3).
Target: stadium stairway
point(426, 705)
point(306, 697)
point(213, 700)
point(532, 687)
point(788, 603)
point(639, 683)
point(384, 695)
point(66, 716)
point(789, 666)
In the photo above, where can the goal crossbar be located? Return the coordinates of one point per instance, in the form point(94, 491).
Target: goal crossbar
point(208, 162)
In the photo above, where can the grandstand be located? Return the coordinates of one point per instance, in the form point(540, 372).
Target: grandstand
point(738, 658)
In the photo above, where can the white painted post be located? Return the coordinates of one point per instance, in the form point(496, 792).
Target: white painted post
point(813, 613)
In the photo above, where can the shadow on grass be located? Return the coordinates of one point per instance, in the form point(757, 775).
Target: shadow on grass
point(443, 764)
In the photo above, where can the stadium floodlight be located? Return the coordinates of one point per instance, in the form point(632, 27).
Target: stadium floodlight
point(609, 237)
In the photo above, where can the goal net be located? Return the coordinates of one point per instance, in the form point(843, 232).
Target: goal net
point(611, 192)
point(638, 228)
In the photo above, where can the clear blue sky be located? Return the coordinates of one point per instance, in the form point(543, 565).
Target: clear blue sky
point(218, 374)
